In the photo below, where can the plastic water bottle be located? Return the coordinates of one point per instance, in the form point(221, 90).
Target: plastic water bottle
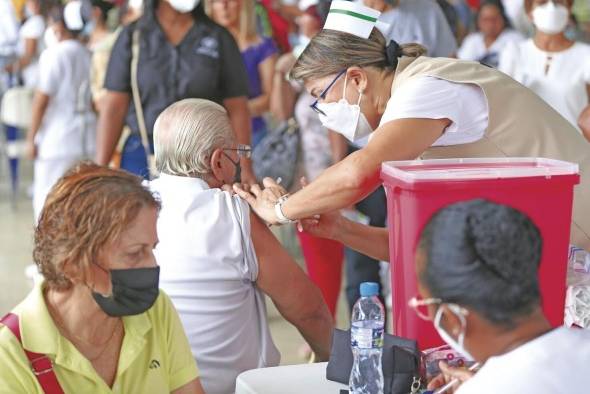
point(366, 337)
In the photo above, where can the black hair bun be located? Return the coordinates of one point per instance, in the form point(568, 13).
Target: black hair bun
point(393, 51)
point(503, 239)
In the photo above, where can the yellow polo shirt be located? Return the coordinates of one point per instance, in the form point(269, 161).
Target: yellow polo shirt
point(155, 356)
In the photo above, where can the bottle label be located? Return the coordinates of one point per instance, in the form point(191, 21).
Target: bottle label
point(366, 338)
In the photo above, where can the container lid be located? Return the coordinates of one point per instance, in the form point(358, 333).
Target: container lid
point(473, 169)
point(369, 289)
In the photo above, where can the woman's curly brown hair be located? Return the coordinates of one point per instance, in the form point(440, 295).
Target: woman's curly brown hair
point(86, 209)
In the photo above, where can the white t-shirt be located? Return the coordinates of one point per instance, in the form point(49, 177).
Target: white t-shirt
point(422, 22)
point(563, 86)
point(209, 268)
point(69, 123)
point(554, 363)
point(433, 98)
point(474, 47)
point(33, 28)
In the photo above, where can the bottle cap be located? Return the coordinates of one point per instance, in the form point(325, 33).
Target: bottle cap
point(369, 289)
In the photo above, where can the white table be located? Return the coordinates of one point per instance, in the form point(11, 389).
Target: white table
point(289, 379)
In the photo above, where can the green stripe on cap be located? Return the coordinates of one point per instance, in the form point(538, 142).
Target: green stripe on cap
point(353, 14)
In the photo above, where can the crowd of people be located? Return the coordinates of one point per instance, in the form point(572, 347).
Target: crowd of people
point(180, 94)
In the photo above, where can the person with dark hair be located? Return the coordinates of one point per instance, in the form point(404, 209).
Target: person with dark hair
point(97, 322)
point(97, 28)
point(63, 124)
point(181, 54)
point(477, 265)
point(493, 34)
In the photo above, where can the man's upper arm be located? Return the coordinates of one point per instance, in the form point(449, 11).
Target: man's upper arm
point(279, 276)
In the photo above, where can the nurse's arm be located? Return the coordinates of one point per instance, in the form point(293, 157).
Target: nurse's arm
point(111, 119)
point(40, 103)
point(368, 240)
point(355, 177)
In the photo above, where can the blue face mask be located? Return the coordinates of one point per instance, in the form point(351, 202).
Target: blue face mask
point(571, 33)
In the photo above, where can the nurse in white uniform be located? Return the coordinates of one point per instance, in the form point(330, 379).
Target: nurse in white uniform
point(413, 106)
point(63, 124)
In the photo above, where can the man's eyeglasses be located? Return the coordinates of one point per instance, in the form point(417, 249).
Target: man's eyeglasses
point(322, 95)
point(244, 151)
point(420, 306)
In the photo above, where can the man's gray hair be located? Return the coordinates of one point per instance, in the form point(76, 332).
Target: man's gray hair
point(186, 134)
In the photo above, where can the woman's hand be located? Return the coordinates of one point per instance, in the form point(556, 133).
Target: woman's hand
point(447, 375)
point(322, 226)
point(262, 201)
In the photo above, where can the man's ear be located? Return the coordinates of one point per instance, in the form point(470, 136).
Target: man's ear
point(216, 164)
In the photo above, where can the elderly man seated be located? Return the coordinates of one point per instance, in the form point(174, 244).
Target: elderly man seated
point(217, 259)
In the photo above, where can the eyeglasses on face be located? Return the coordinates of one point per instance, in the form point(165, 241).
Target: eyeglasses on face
point(322, 95)
point(243, 150)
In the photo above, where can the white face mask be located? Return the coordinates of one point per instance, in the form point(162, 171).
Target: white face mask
point(344, 118)
point(551, 18)
point(456, 345)
point(184, 6)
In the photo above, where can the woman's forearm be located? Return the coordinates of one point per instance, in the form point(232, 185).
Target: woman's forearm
point(282, 103)
point(352, 179)
point(40, 102)
point(258, 106)
point(110, 124)
point(368, 240)
point(339, 186)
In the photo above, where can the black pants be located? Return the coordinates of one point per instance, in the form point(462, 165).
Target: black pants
point(361, 268)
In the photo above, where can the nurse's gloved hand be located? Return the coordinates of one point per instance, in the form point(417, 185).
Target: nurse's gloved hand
point(262, 201)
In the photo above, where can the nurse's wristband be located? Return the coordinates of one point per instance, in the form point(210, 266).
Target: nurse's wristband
point(279, 211)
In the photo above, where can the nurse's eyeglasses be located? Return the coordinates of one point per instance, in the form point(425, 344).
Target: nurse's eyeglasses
point(244, 151)
point(322, 95)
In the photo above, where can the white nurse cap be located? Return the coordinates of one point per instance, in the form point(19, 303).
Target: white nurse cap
point(353, 18)
point(73, 15)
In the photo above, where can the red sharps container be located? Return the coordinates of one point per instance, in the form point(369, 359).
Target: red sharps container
point(541, 188)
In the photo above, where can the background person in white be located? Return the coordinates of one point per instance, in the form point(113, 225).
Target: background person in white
point(30, 44)
point(492, 35)
point(63, 124)
point(477, 265)
point(550, 64)
point(416, 21)
point(217, 259)
point(8, 31)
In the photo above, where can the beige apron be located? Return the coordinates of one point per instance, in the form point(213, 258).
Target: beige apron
point(524, 126)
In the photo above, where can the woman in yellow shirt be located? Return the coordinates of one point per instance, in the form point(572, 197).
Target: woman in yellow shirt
point(98, 317)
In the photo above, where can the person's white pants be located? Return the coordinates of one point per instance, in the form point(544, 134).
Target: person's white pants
point(47, 172)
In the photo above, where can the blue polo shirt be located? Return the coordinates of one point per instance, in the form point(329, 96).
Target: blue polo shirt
point(206, 64)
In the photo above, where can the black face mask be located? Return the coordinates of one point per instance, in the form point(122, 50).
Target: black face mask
point(134, 291)
point(238, 175)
